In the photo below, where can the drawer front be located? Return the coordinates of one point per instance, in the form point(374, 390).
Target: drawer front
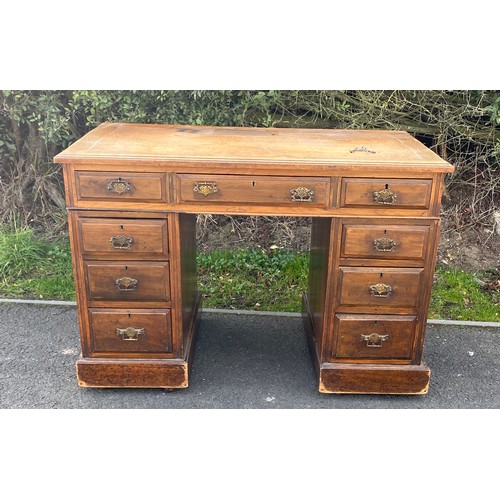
point(374, 336)
point(131, 331)
point(252, 189)
point(386, 193)
point(380, 286)
point(121, 187)
point(145, 281)
point(384, 241)
point(124, 238)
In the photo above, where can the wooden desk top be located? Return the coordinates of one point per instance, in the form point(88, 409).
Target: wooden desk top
point(129, 142)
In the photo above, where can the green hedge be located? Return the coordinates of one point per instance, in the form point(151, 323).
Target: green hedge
point(462, 126)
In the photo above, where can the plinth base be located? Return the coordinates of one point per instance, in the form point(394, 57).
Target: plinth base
point(139, 373)
point(343, 378)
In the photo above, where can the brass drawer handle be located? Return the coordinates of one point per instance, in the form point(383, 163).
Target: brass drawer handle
point(302, 194)
point(119, 186)
point(205, 188)
point(130, 333)
point(126, 284)
point(385, 197)
point(121, 242)
point(384, 244)
point(380, 290)
point(374, 339)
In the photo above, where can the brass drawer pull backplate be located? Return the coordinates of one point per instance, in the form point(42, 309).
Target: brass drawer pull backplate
point(384, 245)
point(121, 242)
point(205, 188)
point(130, 333)
point(374, 339)
point(302, 194)
point(126, 284)
point(380, 290)
point(385, 197)
point(119, 186)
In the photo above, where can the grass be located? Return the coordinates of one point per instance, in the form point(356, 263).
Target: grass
point(33, 268)
point(271, 280)
point(460, 295)
point(253, 279)
point(274, 280)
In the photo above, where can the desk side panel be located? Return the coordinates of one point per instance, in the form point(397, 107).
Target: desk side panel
point(319, 272)
point(185, 297)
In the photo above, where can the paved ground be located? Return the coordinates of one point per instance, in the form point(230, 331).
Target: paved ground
point(240, 361)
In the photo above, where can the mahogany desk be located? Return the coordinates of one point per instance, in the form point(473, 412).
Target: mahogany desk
point(133, 192)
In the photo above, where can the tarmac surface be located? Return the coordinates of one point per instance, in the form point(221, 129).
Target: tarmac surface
point(243, 361)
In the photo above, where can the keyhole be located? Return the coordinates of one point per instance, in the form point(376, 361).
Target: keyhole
point(385, 231)
point(126, 268)
point(387, 186)
point(121, 227)
point(129, 315)
point(253, 183)
point(381, 275)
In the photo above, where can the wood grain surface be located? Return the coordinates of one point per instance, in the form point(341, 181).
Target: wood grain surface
point(148, 143)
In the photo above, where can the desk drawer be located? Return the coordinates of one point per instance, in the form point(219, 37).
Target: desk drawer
point(121, 187)
point(374, 336)
point(123, 238)
point(235, 189)
point(388, 241)
point(145, 281)
point(386, 193)
point(131, 331)
point(380, 287)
